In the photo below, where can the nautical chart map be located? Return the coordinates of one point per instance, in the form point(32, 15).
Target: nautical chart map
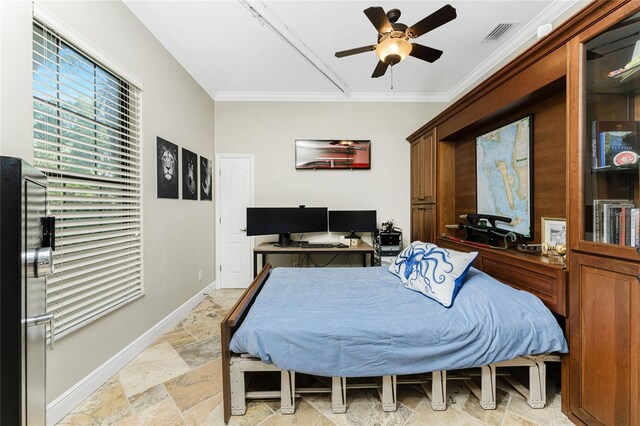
point(502, 164)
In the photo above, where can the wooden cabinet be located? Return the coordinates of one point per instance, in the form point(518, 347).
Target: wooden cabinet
point(423, 169)
point(604, 191)
point(604, 265)
point(423, 187)
point(604, 352)
point(423, 223)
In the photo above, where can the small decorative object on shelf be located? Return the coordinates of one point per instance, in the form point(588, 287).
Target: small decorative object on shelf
point(616, 72)
point(625, 158)
point(557, 254)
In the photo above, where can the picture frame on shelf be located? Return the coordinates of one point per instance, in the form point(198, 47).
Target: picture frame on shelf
point(554, 231)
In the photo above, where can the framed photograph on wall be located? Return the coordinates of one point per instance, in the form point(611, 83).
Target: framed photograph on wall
point(554, 231)
point(504, 175)
point(189, 175)
point(166, 169)
point(206, 187)
point(315, 154)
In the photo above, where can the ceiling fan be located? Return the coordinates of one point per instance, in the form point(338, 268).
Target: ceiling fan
point(393, 37)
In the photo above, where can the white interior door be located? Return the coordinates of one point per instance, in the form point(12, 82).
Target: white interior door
point(235, 249)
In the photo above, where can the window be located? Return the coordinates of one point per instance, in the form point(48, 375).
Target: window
point(86, 140)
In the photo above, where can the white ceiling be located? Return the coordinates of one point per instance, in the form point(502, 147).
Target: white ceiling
point(233, 56)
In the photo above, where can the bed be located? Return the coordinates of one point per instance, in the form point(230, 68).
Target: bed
point(362, 322)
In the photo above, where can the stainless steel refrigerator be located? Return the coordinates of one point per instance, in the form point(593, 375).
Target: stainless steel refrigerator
point(27, 239)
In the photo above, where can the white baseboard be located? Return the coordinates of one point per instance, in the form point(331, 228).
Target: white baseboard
point(69, 400)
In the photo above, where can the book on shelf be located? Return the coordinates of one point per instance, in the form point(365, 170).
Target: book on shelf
point(614, 144)
point(616, 222)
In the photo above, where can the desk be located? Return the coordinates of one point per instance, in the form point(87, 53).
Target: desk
point(267, 248)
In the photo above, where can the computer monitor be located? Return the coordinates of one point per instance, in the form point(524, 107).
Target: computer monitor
point(352, 221)
point(285, 220)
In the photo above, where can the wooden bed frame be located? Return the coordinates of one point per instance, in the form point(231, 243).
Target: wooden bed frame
point(233, 368)
point(229, 325)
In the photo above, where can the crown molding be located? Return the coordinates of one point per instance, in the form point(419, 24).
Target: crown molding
point(511, 47)
point(328, 97)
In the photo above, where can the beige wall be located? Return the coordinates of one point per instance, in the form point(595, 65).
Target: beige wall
point(178, 238)
point(268, 130)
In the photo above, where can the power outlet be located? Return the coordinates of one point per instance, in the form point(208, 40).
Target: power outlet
point(200, 275)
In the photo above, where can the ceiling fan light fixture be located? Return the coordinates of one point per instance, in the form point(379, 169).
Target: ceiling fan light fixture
point(393, 50)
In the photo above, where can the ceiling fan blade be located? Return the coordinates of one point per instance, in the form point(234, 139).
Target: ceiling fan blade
point(425, 53)
point(379, 19)
point(355, 51)
point(381, 68)
point(439, 17)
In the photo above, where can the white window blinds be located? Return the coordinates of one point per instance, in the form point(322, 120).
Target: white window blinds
point(86, 140)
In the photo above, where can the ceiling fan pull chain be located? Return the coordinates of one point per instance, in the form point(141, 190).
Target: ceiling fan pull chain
point(391, 77)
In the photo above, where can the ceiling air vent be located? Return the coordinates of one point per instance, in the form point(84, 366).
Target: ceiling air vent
point(498, 31)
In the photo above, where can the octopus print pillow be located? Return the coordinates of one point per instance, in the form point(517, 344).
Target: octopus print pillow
point(436, 272)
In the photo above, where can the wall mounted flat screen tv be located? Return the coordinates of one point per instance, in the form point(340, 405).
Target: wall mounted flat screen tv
point(335, 154)
point(284, 221)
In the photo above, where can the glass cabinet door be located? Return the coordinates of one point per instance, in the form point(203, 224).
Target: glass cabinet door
point(611, 83)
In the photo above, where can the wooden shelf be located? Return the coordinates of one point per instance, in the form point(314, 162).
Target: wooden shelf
point(624, 169)
point(523, 271)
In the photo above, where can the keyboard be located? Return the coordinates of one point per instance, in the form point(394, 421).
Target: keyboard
point(317, 245)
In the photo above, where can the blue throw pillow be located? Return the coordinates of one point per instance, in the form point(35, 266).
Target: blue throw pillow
point(436, 272)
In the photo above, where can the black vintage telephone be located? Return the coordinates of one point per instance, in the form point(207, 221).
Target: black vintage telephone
point(481, 228)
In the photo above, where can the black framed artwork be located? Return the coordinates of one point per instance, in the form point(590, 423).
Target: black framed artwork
point(334, 154)
point(189, 175)
point(206, 186)
point(166, 169)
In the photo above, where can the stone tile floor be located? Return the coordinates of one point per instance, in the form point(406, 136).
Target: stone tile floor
point(177, 381)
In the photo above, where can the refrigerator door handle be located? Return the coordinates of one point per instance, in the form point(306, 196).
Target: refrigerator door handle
point(43, 319)
point(39, 262)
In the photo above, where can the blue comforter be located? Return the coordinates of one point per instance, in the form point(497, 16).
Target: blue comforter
point(358, 322)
